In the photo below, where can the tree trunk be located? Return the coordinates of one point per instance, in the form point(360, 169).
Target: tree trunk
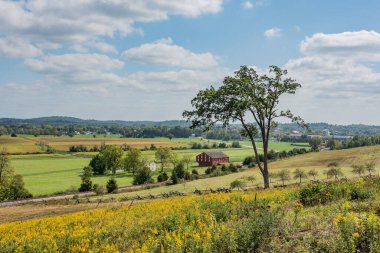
point(265, 169)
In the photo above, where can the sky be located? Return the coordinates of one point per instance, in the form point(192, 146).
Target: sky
point(146, 59)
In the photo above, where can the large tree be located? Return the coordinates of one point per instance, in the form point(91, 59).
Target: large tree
point(244, 96)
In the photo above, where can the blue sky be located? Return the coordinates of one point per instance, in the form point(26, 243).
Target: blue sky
point(146, 59)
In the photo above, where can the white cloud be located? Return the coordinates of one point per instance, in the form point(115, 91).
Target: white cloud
point(175, 81)
point(272, 33)
point(78, 21)
point(103, 47)
point(247, 5)
point(77, 69)
point(164, 52)
point(338, 72)
point(17, 47)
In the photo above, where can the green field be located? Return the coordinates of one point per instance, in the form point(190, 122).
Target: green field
point(51, 173)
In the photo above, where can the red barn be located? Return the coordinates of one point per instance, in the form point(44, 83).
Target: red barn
point(212, 158)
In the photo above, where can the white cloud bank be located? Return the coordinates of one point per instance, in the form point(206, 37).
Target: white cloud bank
point(339, 75)
point(164, 52)
point(56, 22)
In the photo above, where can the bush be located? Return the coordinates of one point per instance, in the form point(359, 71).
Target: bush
point(237, 184)
point(17, 189)
point(194, 172)
point(99, 189)
point(187, 176)
point(235, 144)
point(86, 185)
point(361, 193)
point(162, 177)
point(178, 173)
point(112, 185)
point(143, 176)
point(232, 168)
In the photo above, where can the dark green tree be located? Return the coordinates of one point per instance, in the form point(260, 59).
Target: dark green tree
point(112, 185)
point(133, 160)
point(143, 175)
point(98, 165)
point(246, 95)
point(86, 184)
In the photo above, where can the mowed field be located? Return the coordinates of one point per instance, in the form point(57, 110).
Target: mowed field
point(51, 173)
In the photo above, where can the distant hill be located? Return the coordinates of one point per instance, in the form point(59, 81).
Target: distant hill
point(61, 120)
point(283, 128)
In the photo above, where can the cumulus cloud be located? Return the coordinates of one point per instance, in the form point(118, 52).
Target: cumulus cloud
point(272, 33)
point(16, 47)
point(338, 70)
point(77, 69)
point(164, 52)
point(76, 21)
point(247, 5)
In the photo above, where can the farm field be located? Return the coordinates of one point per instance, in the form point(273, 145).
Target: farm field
point(28, 144)
point(59, 172)
point(50, 173)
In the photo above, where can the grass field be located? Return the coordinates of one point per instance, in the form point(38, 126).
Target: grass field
point(50, 173)
point(47, 174)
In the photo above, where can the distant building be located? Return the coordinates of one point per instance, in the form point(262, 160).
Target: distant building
point(152, 166)
point(212, 158)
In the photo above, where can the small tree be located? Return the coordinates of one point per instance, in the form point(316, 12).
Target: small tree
point(112, 157)
point(174, 159)
point(112, 185)
point(283, 175)
point(334, 170)
point(315, 143)
point(237, 184)
point(251, 179)
point(187, 159)
point(86, 184)
point(371, 167)
point(133, 160)
point(299, 174)
point(163, 155)
point(178, 172)
point(162, 177)
point(313, 173)
point(358, 169)
point(98, 165)
point(143, 175)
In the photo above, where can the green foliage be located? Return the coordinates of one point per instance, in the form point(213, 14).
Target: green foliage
point(133, 160)
point(112, 157)
point(99, 189)
point(112, 185)
point(11, 184)
point(178, 173)
point(358, 169)
point(237, 184)
point(299, 174)
point(235, 144)
point(163, 155)
point(232, 167)
point(86, 184)
point(283, 175)
point(143, 176)
point(249, 161)
point(313, 173)
point(315, 143)
point(194, 172)
point(162, 177)
point(98, 165)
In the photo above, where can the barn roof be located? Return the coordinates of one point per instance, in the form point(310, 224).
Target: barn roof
point(216, 154)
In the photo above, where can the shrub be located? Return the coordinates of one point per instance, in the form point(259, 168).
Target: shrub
point(361, 193)
point(112, 185)
point(249, 161)
point(143, 176)
point(187, 176)
point(194, 172)
point(237, 184)
point(99, 189)
point(162, 177)
point(232, 167)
